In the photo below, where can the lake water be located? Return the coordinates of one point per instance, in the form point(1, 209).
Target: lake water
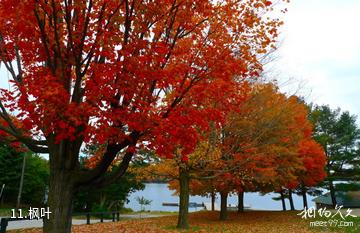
point(159, 193)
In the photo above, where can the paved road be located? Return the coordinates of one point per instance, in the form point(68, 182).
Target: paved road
point(38, 223)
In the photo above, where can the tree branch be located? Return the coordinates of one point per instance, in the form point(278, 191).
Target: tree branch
point(88, 176)
point(105, 179)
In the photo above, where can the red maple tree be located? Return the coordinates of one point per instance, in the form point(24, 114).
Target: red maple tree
point(120, 73)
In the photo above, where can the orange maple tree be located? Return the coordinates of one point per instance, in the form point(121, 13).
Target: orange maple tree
point(314, 160)
point(184, 172)
point(267, 145)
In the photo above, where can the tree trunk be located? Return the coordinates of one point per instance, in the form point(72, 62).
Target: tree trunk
point(332, 194)
point(60, 197)
point(223, 207)
point(63, 161)
point(304, 197)
point(183, 222)
point(213, 196)
point(240, 202)
point(283, 200)
point(291, 200)
point(66, 178)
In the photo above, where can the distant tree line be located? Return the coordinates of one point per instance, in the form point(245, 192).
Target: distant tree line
point(36, 175)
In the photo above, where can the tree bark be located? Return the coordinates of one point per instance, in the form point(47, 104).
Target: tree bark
point(332, 194)
point(240, 202)
point(64, 165)
point(283, 200)
point(223, 207)
point(303, 192)
point(213, 196)
point(183, 221)
point(60, 197)
point(291, 200)
point(66, 178)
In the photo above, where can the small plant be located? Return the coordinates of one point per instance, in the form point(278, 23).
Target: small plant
point(143, 202)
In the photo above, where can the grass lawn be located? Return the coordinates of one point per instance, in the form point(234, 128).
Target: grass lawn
point(159, 212)
point(134, 214)
point(254, 221)
point(7, 211)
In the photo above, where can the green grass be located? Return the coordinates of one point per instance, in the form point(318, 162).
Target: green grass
point(138, 213)
point(191, 229)
point(82, 217)
point(125, 210)
point(7, 211)
point(158, 212)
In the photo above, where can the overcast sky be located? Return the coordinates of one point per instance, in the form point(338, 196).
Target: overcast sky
point(321, 46)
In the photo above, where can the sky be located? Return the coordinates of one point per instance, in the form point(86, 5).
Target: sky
point(319, 52)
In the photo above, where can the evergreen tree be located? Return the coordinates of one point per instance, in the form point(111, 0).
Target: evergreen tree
point(36, 176)
point(10, 171)
point(339, 135)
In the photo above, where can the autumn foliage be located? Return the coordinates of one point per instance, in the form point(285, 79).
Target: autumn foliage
point(269, 143)
point(97, 70)
point(123, 75)
point(265, 145)
point(175, 77)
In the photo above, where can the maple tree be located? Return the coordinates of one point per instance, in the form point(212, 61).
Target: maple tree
point(315, 161)
point(313, 172)
point(184, 174)
point(120, 73)
point(261, 143)
point(252, 140)
point(258, 149)
point(311, 159)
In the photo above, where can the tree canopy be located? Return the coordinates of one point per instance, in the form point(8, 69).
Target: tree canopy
point(123, 74)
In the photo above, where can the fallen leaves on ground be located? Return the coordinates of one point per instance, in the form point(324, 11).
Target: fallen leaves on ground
point(248, 222)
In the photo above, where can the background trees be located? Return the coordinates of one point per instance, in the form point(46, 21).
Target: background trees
point(265, 145)
point(36, 176)
point(339, 136)
point(263, 140)
point(109, 198)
